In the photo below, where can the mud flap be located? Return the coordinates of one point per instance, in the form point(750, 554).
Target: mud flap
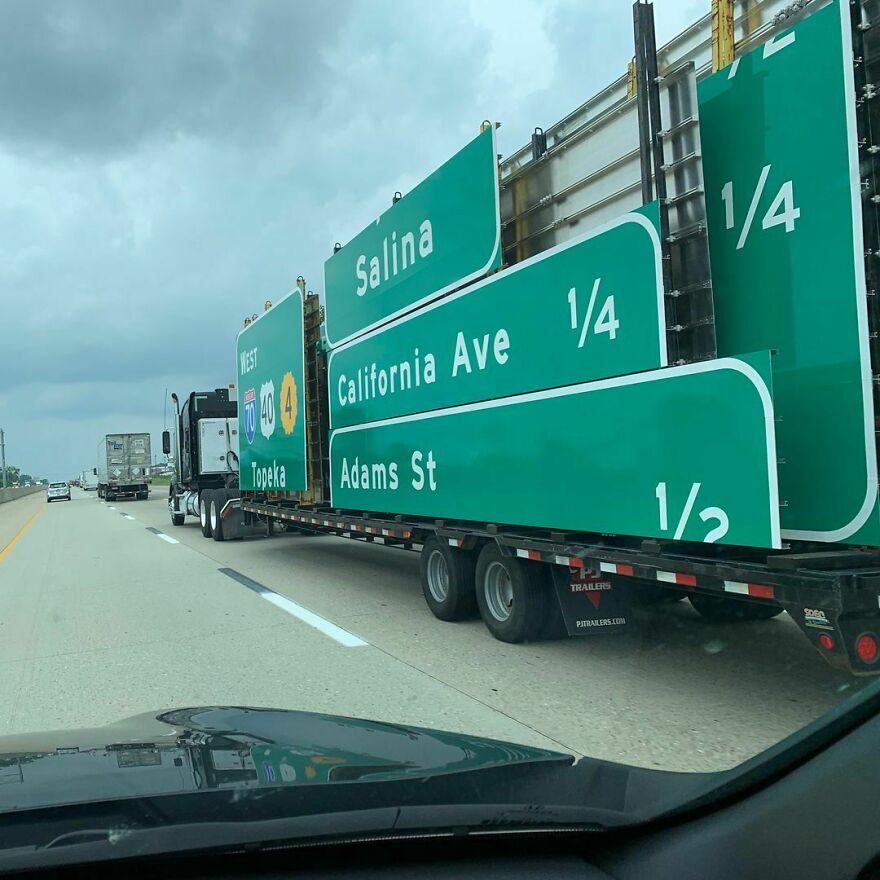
point(234, 522)
point(590, 602)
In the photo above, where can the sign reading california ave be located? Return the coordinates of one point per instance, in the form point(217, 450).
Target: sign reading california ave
point(589, 308)
point(440, 235)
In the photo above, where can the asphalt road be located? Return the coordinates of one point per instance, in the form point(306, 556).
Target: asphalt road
point(107, 610)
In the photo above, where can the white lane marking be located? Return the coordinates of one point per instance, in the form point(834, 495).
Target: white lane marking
point(127, 516)
point(110, 507)
point(343, 636)
point(167, 538)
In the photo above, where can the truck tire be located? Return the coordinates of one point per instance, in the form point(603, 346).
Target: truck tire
point(514, 596)
point(447, 577)
point(218, 499)
point(205, 511)
point(722, 609)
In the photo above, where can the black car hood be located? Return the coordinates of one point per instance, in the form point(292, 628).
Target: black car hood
point(226, 747)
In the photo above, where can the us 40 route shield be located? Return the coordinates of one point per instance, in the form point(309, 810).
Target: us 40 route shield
point(589, 308)
point(683, 453)
point(783, 197)
point(271, 399)
point(443, 233)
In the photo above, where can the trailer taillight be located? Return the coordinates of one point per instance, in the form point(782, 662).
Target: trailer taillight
point(867, 648)
point(826, 642)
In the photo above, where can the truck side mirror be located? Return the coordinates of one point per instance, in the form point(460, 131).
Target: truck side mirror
point(95, 471)
point(166, 442)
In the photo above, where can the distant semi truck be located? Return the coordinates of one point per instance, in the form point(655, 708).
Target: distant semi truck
point(124, 467)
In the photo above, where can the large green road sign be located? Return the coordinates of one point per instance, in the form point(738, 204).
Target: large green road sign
point(271, 399)
point(780, 162)
point(589, 308)
point(443, 233)
point(683, 453)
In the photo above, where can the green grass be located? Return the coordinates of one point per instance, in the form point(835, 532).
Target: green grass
point(160, 481)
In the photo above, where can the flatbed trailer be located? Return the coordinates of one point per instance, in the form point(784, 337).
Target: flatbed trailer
point(832, 595)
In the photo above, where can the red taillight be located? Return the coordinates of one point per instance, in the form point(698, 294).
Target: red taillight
point(826, 642)
point(867, 648)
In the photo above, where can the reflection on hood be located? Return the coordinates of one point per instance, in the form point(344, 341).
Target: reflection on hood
point(229, 747)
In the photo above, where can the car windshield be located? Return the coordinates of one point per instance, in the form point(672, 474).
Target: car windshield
point(480, 384)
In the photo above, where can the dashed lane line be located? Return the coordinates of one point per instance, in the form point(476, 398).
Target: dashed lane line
point(162, 535)
point(337, 633)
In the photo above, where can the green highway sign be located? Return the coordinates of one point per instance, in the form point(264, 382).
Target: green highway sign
point(589, 308)
point(271, 399)
point(440, 235)
point(682, 453)
point(781, 173)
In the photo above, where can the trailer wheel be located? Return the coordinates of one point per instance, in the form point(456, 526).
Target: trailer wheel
point(721, 609)
point(204, 512)
point(218, 499)
point(514, 596)
point(448, 580)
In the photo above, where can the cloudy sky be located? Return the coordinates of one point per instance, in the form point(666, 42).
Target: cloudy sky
point(165, 167)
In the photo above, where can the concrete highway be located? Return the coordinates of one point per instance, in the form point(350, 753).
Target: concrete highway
point(107, 610)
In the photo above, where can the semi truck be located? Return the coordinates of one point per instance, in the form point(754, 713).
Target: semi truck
point(204, 443)
point(635, 361)
point(124, 467)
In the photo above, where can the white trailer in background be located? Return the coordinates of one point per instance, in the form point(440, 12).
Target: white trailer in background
point(124, 469)
point(88, 480)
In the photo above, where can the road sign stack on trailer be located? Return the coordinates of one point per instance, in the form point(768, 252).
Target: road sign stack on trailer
point(546, 390)
point(540, 395)
point(647, 334)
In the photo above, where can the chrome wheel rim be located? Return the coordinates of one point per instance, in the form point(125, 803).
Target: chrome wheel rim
point(498, 591)
point(203, 513)
point(438, 576)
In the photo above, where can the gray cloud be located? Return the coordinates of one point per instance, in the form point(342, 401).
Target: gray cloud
point(104, 77)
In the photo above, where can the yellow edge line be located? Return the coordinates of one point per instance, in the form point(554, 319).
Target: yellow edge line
point(19, 534)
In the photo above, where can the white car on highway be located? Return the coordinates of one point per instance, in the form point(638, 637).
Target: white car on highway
point(57, 492)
